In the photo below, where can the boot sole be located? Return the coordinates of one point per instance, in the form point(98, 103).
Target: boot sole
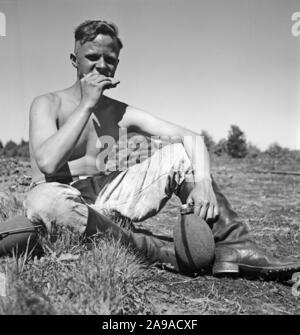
point(227, 268)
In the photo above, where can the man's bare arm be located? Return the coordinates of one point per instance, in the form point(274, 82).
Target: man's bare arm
point(52, 147)
point(202, 195)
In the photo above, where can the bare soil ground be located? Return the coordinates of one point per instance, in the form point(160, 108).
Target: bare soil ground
point(268, 203)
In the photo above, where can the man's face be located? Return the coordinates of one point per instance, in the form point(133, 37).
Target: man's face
point(99, 56)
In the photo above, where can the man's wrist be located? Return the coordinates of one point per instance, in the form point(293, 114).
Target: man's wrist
point(86, 106)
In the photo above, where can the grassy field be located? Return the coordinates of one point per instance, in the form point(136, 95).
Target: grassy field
point(103, 277)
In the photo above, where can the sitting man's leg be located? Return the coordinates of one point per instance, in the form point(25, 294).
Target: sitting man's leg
point(55, 204)
point(143, 189)
point(52, 204)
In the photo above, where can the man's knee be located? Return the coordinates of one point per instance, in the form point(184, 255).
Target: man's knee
point(55, 203)
point(46, 196)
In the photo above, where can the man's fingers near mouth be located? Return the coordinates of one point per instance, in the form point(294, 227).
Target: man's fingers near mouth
point(115, 81)
point(109, 80)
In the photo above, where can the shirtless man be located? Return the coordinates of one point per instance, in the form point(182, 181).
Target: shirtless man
point(69, 189)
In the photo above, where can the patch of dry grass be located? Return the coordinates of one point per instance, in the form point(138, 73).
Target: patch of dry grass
point(105, 280)
point(10, 206)
point(102, 277)
point(72, 277)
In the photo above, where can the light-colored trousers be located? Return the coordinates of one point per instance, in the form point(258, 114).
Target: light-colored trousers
point(136, 193)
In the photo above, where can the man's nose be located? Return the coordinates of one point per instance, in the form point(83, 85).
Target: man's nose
point(101, 64)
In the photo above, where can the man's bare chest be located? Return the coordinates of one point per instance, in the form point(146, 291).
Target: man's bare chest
point(102, 127)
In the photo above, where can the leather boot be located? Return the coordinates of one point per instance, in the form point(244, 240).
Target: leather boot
point(153, 248)
point(236, 253)
point(19, 236)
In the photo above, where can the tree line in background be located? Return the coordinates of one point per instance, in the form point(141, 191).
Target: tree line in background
point(235, 145)
point(12, 149)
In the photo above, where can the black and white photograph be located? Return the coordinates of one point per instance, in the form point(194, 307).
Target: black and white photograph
point(149, 160)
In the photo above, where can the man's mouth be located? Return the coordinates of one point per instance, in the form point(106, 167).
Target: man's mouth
point(105, 74)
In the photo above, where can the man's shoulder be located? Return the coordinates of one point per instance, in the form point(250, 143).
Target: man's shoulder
point(51, 100)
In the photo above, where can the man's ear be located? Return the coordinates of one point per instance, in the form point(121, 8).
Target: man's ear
point(73, 60)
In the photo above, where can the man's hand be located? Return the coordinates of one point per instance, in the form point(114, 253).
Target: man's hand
point(204, 200)
point(92, 87)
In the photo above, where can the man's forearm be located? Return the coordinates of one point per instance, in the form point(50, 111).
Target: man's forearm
point(57, 149)
point(199, 157)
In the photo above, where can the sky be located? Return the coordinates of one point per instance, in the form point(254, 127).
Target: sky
point(203, 64)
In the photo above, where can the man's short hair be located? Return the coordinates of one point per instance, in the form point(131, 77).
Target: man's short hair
point(89, 30)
